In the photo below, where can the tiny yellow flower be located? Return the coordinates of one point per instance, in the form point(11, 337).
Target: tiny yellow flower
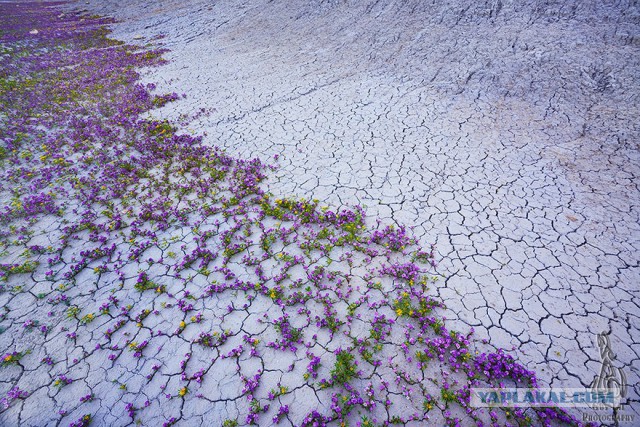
point(182, 325)
point(182, 391)
point(399, 312)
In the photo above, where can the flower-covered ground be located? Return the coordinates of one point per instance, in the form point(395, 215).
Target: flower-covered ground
point(148, 278)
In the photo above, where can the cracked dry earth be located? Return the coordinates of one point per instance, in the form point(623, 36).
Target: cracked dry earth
point(507, 135)
point(149, 285)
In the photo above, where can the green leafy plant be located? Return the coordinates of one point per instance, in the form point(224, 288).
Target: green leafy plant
point(344, 369)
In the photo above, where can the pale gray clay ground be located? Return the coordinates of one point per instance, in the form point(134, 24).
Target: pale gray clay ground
point(506, 134)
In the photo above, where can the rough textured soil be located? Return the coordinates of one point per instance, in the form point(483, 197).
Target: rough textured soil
point(507, 135)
